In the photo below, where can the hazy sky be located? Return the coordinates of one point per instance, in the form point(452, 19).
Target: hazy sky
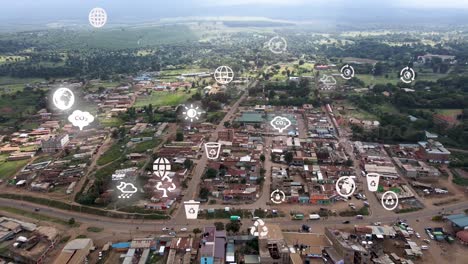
point(31, 11)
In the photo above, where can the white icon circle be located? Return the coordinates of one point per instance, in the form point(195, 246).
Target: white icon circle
point(191, 113)
point(347, 72)
point(346, 183)
point(277, 45)
point(277, 196)
point(223, 75)
point(63, 98)
point(97, 17)
point(407, 75)
point(259, 229)
point(389, 200)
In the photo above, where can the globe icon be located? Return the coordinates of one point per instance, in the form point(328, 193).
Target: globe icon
point(63, 98)
point(97, 17)
point(161, 166)
point(223, 75)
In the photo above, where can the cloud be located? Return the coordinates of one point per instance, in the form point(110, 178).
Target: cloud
point(80, 119)
point(127, 187)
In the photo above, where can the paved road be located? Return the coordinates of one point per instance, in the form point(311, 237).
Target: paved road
point(127, 225)
point(192, 191)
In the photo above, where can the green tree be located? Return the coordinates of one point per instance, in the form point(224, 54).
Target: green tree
point(180, 136)
point(262, 158)
point(196, 231)
point(288, 157)
point(188, 163)
point(204, 192)
point(219, 226)
point(71, 221)
point(233, 227)
point(211, 173)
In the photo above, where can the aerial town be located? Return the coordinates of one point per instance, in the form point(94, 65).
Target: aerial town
point(273, 154)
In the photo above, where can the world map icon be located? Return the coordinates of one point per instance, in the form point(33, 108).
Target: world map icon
point(161, 166)
point(63, 98)
point(97, 17)
point(223, 75)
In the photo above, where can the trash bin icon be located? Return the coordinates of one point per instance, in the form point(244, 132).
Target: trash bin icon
point(212, 150)
point(373, 181)
point(191, 209)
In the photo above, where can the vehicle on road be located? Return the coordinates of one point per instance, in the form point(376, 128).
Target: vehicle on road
point(424, 247)
point(235, 218)
point(166, 229)
point(172, 233)
point(255, 218)
point(418, 235)
point(183, 229)
point(36, 209)
point(298, 217)
point(346, 222)
point(314, 217)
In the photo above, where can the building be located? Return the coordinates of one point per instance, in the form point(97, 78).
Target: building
point(55, 143)
point(416, 169)
point(213, 246)
point(75, 251)
point(463, 237)
point(433, 151)
point(273, 247)
point(345, 249)
point(459, 221)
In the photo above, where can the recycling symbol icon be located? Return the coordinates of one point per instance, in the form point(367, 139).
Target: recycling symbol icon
point(191, 211)
point(373, 183)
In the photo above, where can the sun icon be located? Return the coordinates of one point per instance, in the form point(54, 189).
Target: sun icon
point(191, 113)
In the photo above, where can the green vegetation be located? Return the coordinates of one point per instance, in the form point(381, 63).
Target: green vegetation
point(80, 208)
point(164, 98)
point(37, 216)
point(147, 145)
point(458, 179)
point(94, 229)
point(113, 153)
point(362, 211)
point(9, 168)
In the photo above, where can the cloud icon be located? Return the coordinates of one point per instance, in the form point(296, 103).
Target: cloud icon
point(280, 123)
point(328, 80)
point(80, 119)
point(127, 189)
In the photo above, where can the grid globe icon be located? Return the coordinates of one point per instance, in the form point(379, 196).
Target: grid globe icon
point(224, 75)
point(161, 166)
point(97, 17)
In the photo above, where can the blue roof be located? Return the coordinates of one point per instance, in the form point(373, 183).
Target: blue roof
point(460, 220)
point(121, 245)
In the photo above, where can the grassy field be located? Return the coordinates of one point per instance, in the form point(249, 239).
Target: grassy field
point(110, 155)
point(37, 216)
point(144, 146)
point(369, 79)
point(9, 168)
point(164, 98)
point(110, 122)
